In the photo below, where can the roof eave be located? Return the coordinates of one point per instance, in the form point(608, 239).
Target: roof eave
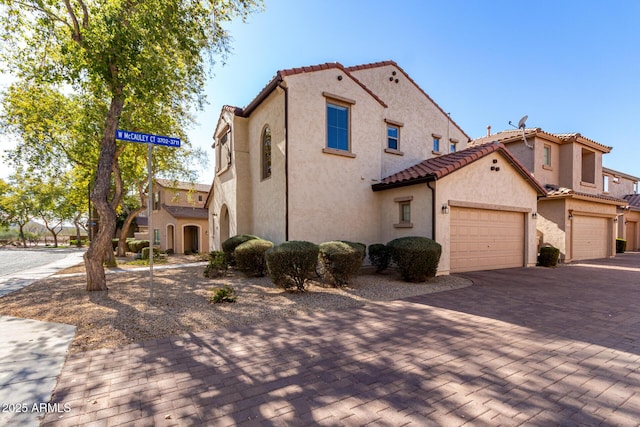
point(405, 183)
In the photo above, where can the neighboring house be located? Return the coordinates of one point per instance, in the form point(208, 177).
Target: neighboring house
point(577, 215)
point(625, 186)
point(180, 220)
point(364, 154)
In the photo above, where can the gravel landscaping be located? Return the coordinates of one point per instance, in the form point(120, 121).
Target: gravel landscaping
point(125, 313)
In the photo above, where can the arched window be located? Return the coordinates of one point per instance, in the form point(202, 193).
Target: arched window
point(266, 153)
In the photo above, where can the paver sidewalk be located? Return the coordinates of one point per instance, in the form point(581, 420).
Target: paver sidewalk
point(521, 347)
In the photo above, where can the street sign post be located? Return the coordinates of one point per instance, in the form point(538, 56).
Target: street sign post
point(150, 140)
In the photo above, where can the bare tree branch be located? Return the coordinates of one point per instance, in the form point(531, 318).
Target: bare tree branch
point(40, 7)
point(76, 27)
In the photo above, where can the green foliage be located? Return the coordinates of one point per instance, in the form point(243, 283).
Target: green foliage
point(548, 256)
point(621, 245)
point(224, 294)
point(249, 256)
point(291, 263)
point(230, 245)
point(339, 261)
point(217, 266)
point(145, 253)
point(136, 246)
point(416, 257)
point(380, 256)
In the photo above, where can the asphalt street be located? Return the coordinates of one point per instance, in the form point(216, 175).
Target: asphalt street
point(16, 260)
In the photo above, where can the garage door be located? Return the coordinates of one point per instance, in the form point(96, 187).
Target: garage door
point(484, 239)
point(590, 237)
point(630, 233)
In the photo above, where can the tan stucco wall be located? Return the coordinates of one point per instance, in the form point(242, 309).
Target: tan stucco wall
point(268, 195)
point(623, 187)
point(482, 188)
point(162, 220)
point(421, 212)
point(631, 216)
point(420, 116)
point(330, 196)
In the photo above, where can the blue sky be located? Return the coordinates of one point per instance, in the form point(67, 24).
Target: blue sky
point(571, 66)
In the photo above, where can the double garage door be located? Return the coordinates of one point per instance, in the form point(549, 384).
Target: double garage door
point(591, 237)
point(483, 239)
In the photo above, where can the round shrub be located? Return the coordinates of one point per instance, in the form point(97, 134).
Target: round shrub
point(416, 257)
point(136, 246)
point(290, 263)
point(230, 245)
point(249, 256)
point(145, 253)
point(339, 261)
point(217, 266)
point(548, 256)
point(621, 245)
point(380, 256)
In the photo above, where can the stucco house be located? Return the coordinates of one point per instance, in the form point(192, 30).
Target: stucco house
point(180, 220)
point(625, 186)
point(577, 215)
point(364, 154)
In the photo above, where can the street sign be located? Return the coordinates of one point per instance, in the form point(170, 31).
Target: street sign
point(147, 138)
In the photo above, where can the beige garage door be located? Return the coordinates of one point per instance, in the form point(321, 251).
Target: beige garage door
point(484, 239)
point(630, 233)
point(591, 236)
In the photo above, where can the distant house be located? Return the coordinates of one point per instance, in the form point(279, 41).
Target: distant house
point(180, 220)
point(577, 215)
point(362, 153)
point(625, 186)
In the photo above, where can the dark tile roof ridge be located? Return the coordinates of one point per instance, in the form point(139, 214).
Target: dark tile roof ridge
point(633, 200)
point(186, 211)
point(182, 185)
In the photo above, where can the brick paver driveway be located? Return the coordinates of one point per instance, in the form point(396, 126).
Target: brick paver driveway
point(522, 346)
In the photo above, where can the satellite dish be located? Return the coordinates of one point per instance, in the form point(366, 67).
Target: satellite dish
point(522, 122)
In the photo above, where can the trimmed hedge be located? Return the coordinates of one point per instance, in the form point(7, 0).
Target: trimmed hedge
point(548, 256)
point(137, 245)
point(621, 245)
point(341, 260)
point(380, 256)
point(145, 252)
point(217, 266)
point(230, 245)
point(291, 263)
point(416, 257)
point(249, 256)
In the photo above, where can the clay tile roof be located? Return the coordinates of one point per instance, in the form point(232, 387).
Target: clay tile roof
point(554, 191)
point(181, 185)
point(516, 135)
point(633, 200)
point(187, 212)
point(235, 110)
point(441, 166)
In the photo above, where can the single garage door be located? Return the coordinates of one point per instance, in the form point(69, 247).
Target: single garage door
point(630, 233)
point(483, 239)
point(590, 237)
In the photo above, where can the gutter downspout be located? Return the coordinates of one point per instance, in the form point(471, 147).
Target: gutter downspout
point(286, 159)
point(433, 210)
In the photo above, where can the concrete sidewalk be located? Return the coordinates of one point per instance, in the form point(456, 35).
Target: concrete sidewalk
point(521, 347)
point(32, 353)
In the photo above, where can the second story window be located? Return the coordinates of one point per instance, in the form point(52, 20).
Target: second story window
point(337, 127)
point(588, 166)
point(547, 156)
point(266, 153)
point(156, 201)
point(393, 136)
point(605, 183)
point(453, 146)
point(436, 143)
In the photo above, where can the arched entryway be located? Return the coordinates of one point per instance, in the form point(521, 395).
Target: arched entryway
point(224, 224)
point(191, 239)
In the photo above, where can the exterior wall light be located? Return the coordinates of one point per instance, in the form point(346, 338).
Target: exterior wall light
point(445, 209)
point(534, 215)
point(570, 215)
point(615, 219)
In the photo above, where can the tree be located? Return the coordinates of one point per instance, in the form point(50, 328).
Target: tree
point(17, 202)
point(115, 51)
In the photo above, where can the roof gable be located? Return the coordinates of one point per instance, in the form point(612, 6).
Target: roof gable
point(515, 135)
point(439, 167)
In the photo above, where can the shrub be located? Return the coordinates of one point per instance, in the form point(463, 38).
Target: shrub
point(217, 266)
point(548, 256)
point(380, 256)
point(223, 294)
point(230, 245)
point(145, 253)
point(290, 263)
point(416, 257)
point(340, 261)
point(136, 246)
point(621, 245)
point(249, 256)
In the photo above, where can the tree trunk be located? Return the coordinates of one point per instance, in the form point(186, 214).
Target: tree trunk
point(24, 239)
point(76, 222)
point(101, 243)
point(122, 243)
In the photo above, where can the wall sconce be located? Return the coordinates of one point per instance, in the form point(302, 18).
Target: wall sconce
point(445, 209)
point(615, 219)
point(534, 215)
point(570, 215)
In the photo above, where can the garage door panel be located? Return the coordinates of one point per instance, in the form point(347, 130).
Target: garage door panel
point(486, 239)
point(630, 234)
point(591, 237)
